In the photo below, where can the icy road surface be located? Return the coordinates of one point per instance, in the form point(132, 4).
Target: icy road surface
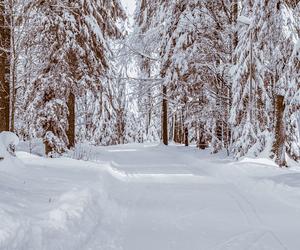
point(147, 197)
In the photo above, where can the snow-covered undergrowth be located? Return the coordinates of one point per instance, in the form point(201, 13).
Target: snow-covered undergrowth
point(147, 197)
point(8, 143)
point(34, 146)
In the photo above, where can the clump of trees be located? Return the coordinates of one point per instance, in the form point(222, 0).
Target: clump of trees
point(229, 73)
point(222, 74)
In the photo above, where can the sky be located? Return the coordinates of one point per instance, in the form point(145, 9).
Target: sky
point(129, 6)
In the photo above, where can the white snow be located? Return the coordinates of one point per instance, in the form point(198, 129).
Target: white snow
point(8, 138)
point(147, 197)
point(8, 141)
point(244, 20)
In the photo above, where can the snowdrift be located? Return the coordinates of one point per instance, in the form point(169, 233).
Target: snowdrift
point(8, 143)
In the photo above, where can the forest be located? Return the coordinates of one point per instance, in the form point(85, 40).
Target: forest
point(220, 74)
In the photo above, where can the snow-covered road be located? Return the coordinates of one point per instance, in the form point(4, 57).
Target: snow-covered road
point(147, 197)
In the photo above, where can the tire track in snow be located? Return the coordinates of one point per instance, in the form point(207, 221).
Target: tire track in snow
point(251, 240)
point(245, 206)
point(247, 209)
point(253, 220)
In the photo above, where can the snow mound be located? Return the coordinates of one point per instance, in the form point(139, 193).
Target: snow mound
point(8, 142)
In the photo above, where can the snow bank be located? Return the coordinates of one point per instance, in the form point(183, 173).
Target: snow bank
point(8, 143)
point(57, 204)
point(8, 161)
point(34, 146)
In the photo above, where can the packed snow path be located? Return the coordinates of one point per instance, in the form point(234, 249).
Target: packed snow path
point(146, 197)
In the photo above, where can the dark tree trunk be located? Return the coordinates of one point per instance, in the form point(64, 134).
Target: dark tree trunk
point(186, 136)
point(48, 148)
point(279, 141)
point(48, 125)
point(202, 140)
point(120, 126)
point(234, 16)
point(71, 121)
point(4, 70)
point(176, 132)
point(149, 118)
point(165, 116)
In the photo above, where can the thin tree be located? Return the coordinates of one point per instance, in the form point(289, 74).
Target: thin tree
point(4, 67)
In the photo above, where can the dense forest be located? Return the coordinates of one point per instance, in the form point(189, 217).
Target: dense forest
point(221, 74)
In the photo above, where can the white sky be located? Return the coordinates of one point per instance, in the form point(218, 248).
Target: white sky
point(129, 6)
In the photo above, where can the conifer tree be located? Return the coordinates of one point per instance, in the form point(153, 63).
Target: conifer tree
point(73, 58)
point(259, 89)
point(5, 39)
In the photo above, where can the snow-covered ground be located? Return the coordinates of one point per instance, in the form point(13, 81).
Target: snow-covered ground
point(148, 197)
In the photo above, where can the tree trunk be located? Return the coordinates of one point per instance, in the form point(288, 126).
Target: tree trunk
point(48, 148)
point(279, 140)
point(175, 129)
point(234, 17)
point(235, 41)
point(48, 126)
point(165, 116)
point(186, 136)
point(202, 141)
point(4, 70)
point(13, 73)
point(71, 121)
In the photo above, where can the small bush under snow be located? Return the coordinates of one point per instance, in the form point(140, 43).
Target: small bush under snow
point(8, 142)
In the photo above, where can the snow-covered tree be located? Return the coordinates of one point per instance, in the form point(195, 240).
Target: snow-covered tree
point(72, 40)
point(5, 49)
point(266, 43)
